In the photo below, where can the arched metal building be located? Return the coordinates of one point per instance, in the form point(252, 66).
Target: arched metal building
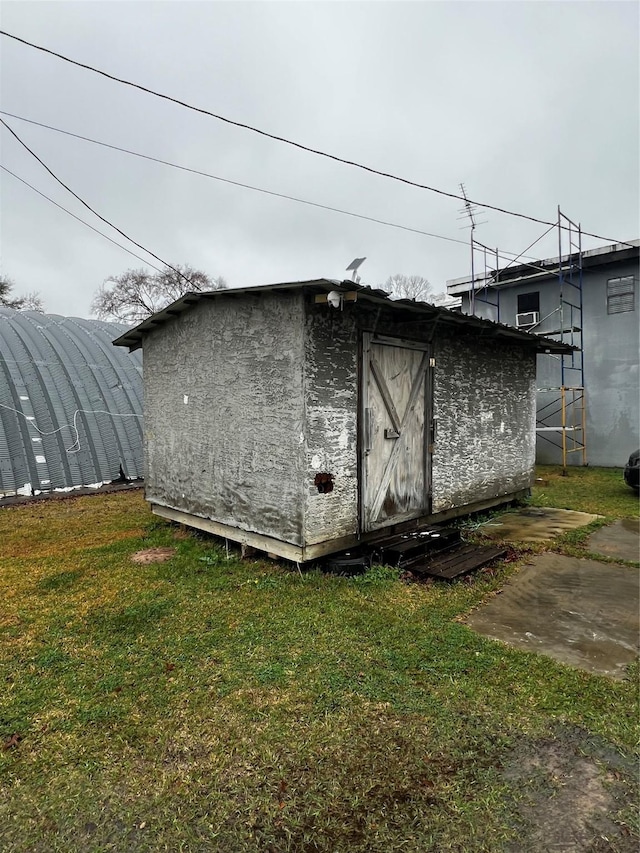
point(70, 404)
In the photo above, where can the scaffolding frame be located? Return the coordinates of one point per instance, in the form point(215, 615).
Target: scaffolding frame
point(489, 277)
point(568, 399)
point(560, 420)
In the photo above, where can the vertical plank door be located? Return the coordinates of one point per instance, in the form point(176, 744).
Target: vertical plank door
point(395, 398)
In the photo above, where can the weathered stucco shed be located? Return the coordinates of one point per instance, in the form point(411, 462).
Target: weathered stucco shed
point(303, 418)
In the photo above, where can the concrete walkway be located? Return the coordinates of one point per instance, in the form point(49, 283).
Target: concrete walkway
point(535, 524)
point(579, 612)
point(620, 540)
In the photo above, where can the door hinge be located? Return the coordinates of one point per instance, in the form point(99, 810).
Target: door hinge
point(432, 362)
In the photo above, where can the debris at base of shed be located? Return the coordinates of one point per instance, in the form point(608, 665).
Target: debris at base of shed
point(437, 553)
point(349, 564)
point(432, 553)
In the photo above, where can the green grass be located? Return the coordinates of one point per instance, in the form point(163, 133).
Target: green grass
point(214, 704)
point(596, 490)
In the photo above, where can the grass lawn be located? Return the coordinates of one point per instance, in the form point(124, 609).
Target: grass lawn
point(213, 704)
point(598, 490)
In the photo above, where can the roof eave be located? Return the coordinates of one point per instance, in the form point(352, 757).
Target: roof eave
point(133, 338)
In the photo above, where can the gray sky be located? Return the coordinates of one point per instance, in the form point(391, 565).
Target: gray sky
point(530, 104)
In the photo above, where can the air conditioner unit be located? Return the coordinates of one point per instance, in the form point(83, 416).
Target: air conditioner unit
point(529, 318)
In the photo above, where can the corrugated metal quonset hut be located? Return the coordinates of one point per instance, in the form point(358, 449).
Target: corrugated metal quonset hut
point(303, 418)
point(70, 404)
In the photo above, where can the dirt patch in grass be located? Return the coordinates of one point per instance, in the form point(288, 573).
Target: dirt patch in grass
point(572, 788)
point(153, 555)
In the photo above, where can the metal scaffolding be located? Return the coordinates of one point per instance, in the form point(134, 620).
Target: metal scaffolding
point(561, 411)
point(485, 298)
point(561, 420)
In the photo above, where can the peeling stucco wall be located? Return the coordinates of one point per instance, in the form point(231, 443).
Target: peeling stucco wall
point(484, 403)
point(224, 413)
point(331, 402)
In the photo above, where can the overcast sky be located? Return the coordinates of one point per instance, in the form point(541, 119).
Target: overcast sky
point(530, 104)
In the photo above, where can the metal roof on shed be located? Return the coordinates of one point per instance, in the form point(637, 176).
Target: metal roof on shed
point(485, 328)
point(70, 405)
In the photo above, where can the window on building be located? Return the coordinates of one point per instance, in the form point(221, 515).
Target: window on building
point(621, 295)
point(528, 302)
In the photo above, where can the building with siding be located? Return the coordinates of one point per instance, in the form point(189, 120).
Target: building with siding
point(70, 404)
point(604, 325)
point(303, 418)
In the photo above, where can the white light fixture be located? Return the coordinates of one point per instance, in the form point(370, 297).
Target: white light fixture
point(334, 299)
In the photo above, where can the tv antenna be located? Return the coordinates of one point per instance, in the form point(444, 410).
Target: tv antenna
point(353, 266)
point(470, 212)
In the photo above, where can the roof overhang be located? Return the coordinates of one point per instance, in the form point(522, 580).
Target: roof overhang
point(133, 338)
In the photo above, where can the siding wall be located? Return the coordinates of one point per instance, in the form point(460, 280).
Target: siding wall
point(611, 371)
point(233, 451)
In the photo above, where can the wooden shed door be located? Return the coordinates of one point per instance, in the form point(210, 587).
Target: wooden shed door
point(395, 410)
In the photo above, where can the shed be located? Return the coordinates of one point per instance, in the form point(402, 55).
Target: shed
point(304, 418)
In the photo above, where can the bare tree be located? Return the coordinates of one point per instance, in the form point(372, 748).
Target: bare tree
point(134, 295)
point(31, 302)
point(443, 300)
point(408, 287)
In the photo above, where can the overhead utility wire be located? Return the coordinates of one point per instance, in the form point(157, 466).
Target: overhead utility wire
point(101, 233)
point(530, 246)
point(286, 141)
point(95, 213)
point(501, 256)
point(234, 183)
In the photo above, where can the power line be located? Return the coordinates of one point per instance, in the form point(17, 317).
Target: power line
point(286, 141)
point(83, 202)
point(530, 246)
point(234, 183)
point(101, 233)
point(501, 256)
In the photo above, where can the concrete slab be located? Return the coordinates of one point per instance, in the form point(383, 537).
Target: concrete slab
point(620, 540)
point(579, 612)
point(535, 524)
